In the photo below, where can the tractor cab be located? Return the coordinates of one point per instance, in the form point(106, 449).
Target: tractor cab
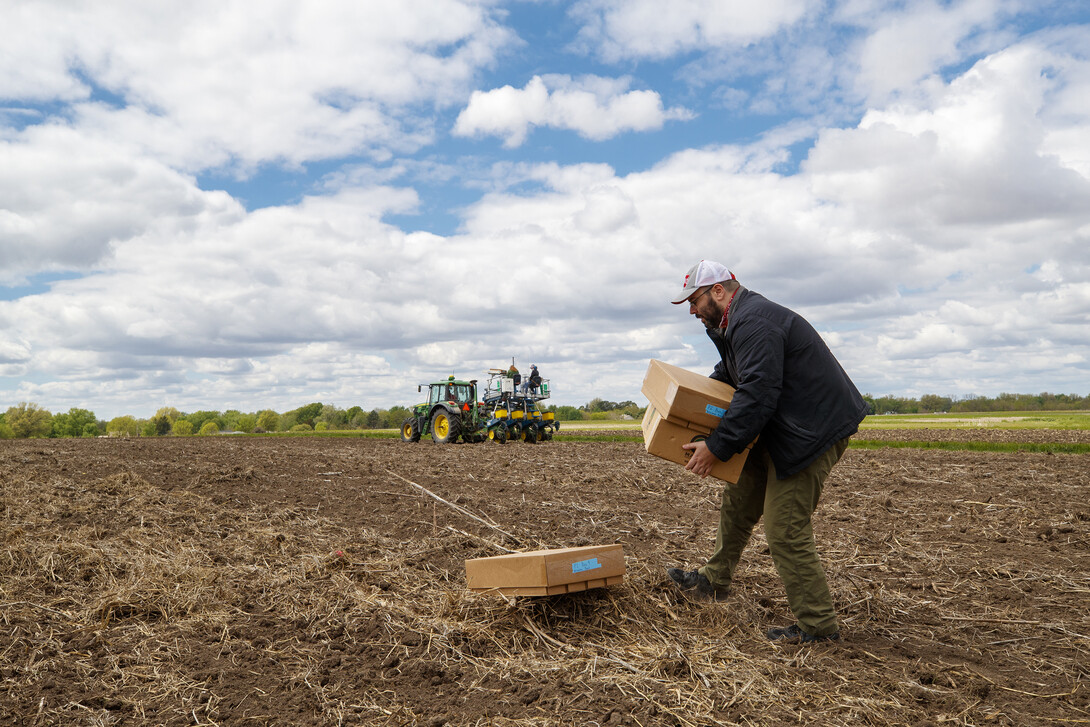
point(451, 392)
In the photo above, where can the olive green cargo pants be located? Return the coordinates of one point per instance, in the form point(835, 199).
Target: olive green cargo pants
point(786, 505)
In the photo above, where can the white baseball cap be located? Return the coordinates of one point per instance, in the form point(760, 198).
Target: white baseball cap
point(705, 272)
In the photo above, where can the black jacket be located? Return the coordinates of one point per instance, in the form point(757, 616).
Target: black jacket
point(790, 389)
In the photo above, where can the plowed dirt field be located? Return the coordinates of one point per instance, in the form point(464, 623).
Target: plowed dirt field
point(305, 581)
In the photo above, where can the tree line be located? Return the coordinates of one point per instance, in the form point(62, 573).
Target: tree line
point(935, 404)
point(28, 420)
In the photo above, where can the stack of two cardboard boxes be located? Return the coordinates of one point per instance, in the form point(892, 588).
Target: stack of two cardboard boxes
point(685, 407)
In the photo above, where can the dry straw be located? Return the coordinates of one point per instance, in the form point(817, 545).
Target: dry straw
point(126, 603)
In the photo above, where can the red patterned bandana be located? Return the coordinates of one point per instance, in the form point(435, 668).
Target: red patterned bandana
point(723, 323)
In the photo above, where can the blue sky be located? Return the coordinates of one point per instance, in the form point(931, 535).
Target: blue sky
point(207, 209)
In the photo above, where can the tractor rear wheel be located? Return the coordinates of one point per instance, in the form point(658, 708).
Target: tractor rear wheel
point(445, 428)
point(410, 430)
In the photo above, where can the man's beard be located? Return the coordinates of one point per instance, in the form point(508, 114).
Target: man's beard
point(712, 321)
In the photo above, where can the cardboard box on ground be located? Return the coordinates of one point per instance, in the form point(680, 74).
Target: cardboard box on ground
point(547, 572)
point(685, 407)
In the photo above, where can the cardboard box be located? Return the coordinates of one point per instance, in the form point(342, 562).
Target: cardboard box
point(663, 438)
point(547, 572)
point(686, 396)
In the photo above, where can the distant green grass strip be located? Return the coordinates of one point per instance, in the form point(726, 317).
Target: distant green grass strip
point(590, 436)
point(1053, 447)
point(335, 433)
point(1050, 447)
point(585, 436)
point(972, 420)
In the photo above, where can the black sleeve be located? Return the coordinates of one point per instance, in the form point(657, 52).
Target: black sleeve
point(759, 348)
point(720, 374)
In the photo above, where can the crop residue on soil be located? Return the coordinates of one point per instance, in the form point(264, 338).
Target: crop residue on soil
point(291, 581)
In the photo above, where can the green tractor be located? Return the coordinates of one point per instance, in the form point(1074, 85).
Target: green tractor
point(450, 412)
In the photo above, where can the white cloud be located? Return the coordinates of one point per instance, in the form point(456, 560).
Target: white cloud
point(904, 47)
point(829, 60)
point(66, 198)
point(213, 83)
point(607, 209)
point(937, 240)
point(992, 218)
point(975, 153)
point(292, 303)
point(594, 107)
point(932, 339)
point(648, 29)
point(961, 199)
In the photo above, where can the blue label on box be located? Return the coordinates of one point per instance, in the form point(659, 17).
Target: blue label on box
point(585, 565)
point(715, 411)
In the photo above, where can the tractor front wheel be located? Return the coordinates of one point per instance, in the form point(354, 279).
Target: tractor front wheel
point(445, 428)
point(410, 430)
